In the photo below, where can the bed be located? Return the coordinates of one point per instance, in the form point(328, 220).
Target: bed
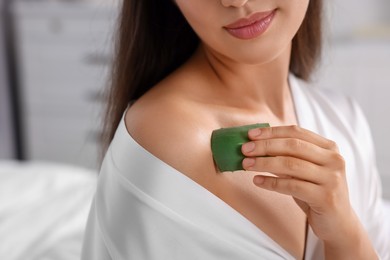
point(44, 208)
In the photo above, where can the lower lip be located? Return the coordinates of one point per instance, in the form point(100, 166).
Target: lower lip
point(253, 30)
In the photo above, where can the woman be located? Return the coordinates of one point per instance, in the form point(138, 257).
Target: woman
point(188, 67)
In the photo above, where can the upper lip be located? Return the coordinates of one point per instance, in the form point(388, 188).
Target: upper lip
point(251, 19)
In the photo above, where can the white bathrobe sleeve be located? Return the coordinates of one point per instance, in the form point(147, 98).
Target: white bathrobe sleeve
point(373, 216)
point(144, 209)
point(94, 246)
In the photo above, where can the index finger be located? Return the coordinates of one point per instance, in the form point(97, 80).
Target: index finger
point(292, 131)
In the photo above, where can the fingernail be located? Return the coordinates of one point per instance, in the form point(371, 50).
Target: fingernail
point(258, 180)
point(254, 132)
point(248, 162)
point(248, 147)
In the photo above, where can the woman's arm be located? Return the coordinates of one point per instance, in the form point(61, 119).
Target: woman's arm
point(310, 168)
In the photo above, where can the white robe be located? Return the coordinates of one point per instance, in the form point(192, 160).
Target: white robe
point(146, 209)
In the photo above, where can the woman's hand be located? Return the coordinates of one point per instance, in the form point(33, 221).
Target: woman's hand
point(310, 169)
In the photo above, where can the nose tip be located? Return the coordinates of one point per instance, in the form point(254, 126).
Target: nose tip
point(233, 3)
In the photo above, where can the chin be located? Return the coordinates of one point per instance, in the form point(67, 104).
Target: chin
point(259, 56)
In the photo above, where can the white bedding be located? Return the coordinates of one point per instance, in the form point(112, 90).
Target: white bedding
point(43, 210)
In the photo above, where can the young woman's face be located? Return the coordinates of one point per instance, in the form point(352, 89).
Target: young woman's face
point(248, 31)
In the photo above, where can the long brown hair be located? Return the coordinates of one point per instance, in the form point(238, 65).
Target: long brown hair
point(154, 39)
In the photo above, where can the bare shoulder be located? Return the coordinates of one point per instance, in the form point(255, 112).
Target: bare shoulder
point(173, 128)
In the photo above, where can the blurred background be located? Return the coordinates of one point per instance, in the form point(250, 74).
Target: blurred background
point(55, 58)
point(54, 62)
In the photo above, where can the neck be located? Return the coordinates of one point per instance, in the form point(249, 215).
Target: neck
point(260, 87)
